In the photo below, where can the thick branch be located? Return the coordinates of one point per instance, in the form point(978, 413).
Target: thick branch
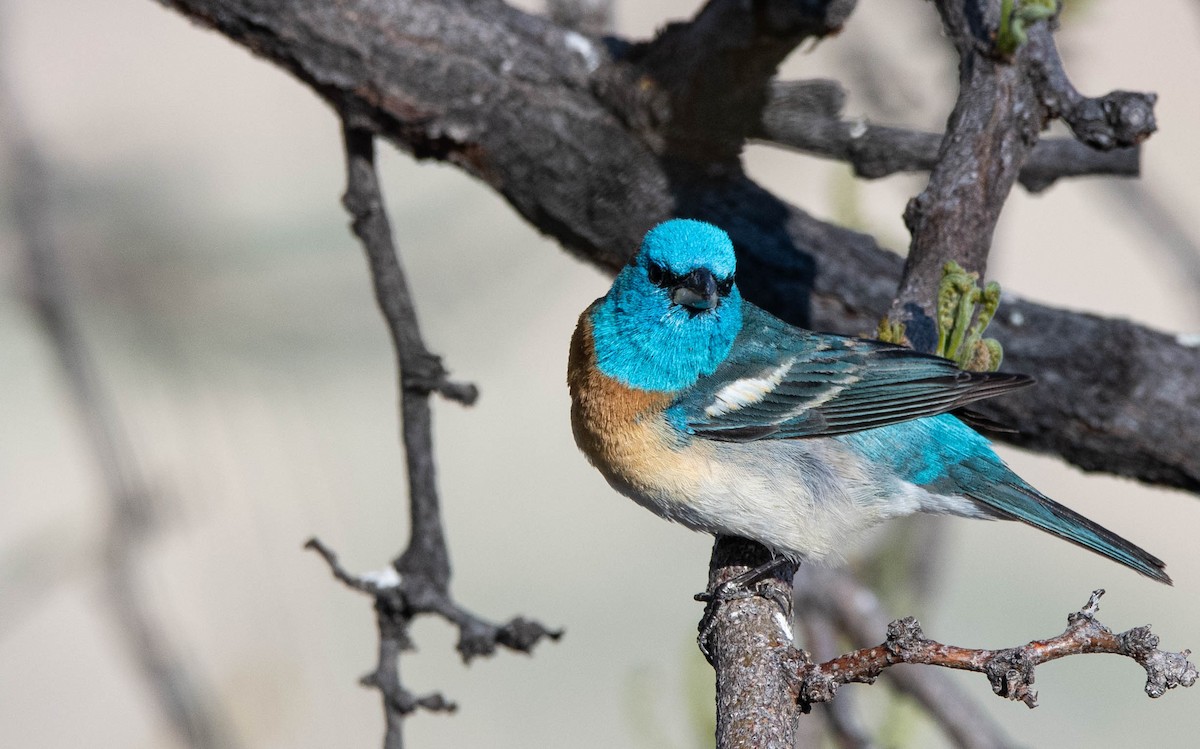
point(714, 70)
point(570, 162)
point(994, 124)
point(1010, 671)
point(807, 116)
point(1002, 106)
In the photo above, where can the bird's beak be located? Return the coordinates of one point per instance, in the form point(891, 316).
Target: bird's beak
point(697, 290)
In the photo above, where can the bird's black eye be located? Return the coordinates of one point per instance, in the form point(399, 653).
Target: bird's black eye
point(726, 286)
point(656, 273)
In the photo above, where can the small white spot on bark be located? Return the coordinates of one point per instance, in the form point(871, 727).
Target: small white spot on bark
point(1190, 340)
point(387, 577)
point(858, 128)
point(786, 628)
point(580, 45)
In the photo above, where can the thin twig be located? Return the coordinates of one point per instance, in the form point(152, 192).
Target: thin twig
point(418, 581)
point(1011, 670)
point(820, 640)
point(859, 614)
point(807, 116)
point(420, 372)
point(179, 693)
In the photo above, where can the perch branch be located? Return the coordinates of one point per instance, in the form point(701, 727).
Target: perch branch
point(1010, 671)
point(418, 581)
point(746, 639)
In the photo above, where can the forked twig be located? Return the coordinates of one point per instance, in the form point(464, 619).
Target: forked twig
point(1011, 670)
point(418, 581)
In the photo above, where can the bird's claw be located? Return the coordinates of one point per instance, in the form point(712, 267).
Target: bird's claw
point(746, 585)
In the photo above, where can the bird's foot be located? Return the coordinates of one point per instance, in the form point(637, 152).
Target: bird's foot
point(745, 585)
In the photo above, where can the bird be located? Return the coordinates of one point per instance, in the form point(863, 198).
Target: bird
point(712, 413)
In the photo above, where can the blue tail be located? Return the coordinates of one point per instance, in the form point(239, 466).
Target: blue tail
point(944, 456)
point(1008, 497)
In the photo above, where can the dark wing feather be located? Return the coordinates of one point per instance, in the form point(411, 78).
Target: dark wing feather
point(982, 423)
point(781, 382)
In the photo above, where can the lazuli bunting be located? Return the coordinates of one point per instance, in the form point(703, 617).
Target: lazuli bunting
point(710, 412)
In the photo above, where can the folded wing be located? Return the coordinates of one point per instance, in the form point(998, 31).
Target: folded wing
point(781, 382)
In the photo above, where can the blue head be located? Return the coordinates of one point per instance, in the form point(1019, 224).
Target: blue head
point(673, 312)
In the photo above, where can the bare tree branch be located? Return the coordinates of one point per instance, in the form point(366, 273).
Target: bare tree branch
point(591, 17)
point(714, 71)
point(807, 116)
point(995, 122)
point(1118, 119)
point(1010, 671)
point(180, 694)
point(563, 139)
point(595, 143)
point(820, 640)
point(418, 581)
point(859, 614)
point(1002, 107)
point(746, 640)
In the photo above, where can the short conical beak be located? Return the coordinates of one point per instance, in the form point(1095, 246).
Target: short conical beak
point(697, 290)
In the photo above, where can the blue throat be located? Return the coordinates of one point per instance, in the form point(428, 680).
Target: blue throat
point(644, 341)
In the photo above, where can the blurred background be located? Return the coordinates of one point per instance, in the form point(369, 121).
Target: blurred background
point(195, 197)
